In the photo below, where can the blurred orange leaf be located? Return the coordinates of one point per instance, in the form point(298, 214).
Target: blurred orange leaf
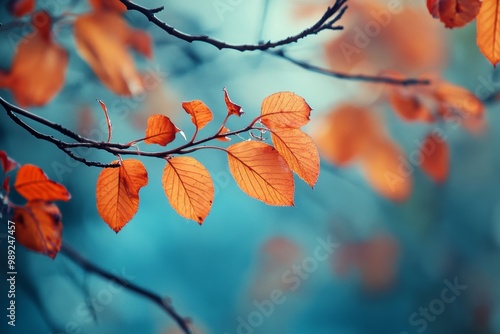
point(8, 164)
point(384, 166)
point(458, 98)
point(345, 132)
point(200, 113)
point(454, 13)
point(488, 30)
point(39, 66)
point(102, 39)
point(189, 188)
point(408, 106)
point(39, 227)
point(435, 157)
point(108, 5)
point(33, 184)
point(160, 130)
point(20, 8)
point(232, 108)
point(299, 151)
point(117, 192)
point(261, 172)
point(285, 109)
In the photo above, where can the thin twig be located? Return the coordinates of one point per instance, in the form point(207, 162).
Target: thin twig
point(326, 22)
point(339, 75)
point(163, 303)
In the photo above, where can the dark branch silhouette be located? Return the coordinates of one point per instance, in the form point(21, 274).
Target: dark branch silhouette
point(113, 148)
point(326, 22)
point(162, 302)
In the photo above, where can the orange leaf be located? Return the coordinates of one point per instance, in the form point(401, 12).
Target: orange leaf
point(7, 163)
point(160, 130)
point(108, 5)
point(458, 98)
point(200, 113)
point(299, 151)
point(454, 13)
point(33, 184)
point(117, 192)
point(39, 66)
point(409, 107)
point(20, 8)
point(189, 188)
point(39, 227)
point(435, 157)
point(285, 109)
point(232, 108)
point(384, 167)
point(102, 39)
point(488, 30)
point(223, 131)
point(261, 172)
point(345, 133)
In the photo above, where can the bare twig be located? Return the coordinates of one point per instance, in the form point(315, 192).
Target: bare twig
point(326, 22)
point(113, 148)
point(339, 75)
point(162, 302)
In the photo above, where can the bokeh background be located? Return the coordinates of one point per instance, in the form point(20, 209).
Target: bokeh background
point(391, 262)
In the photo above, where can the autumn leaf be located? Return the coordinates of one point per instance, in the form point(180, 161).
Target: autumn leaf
point(8, 164)
point(458, 98)
point(435, 157)
point(223, 131)
point(285, 109)
point(200, 113)
point(20, 8)
point(384, 166)
point(345, 132)
point(232, 108)
point(108, 5)
point(39, 66)
point(160, 130)
point(488, 30)
point(189, 188)
point(33, 184)
point(299, 151)
point(102, 39)
point(261, 172)
point(117, 192)
point(409, 106)
point(454, 13)
point(390, 40)
point(39, 227)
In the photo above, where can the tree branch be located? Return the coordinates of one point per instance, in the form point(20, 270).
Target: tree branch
point(163, 303)
point(113, 148)
point(326, 22)
point(358, 77)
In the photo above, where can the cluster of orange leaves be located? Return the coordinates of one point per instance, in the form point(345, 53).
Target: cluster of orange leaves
point(351, 133)
point(458, 13)
point(260, 170)
point(38, 224)
point(102, 38)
